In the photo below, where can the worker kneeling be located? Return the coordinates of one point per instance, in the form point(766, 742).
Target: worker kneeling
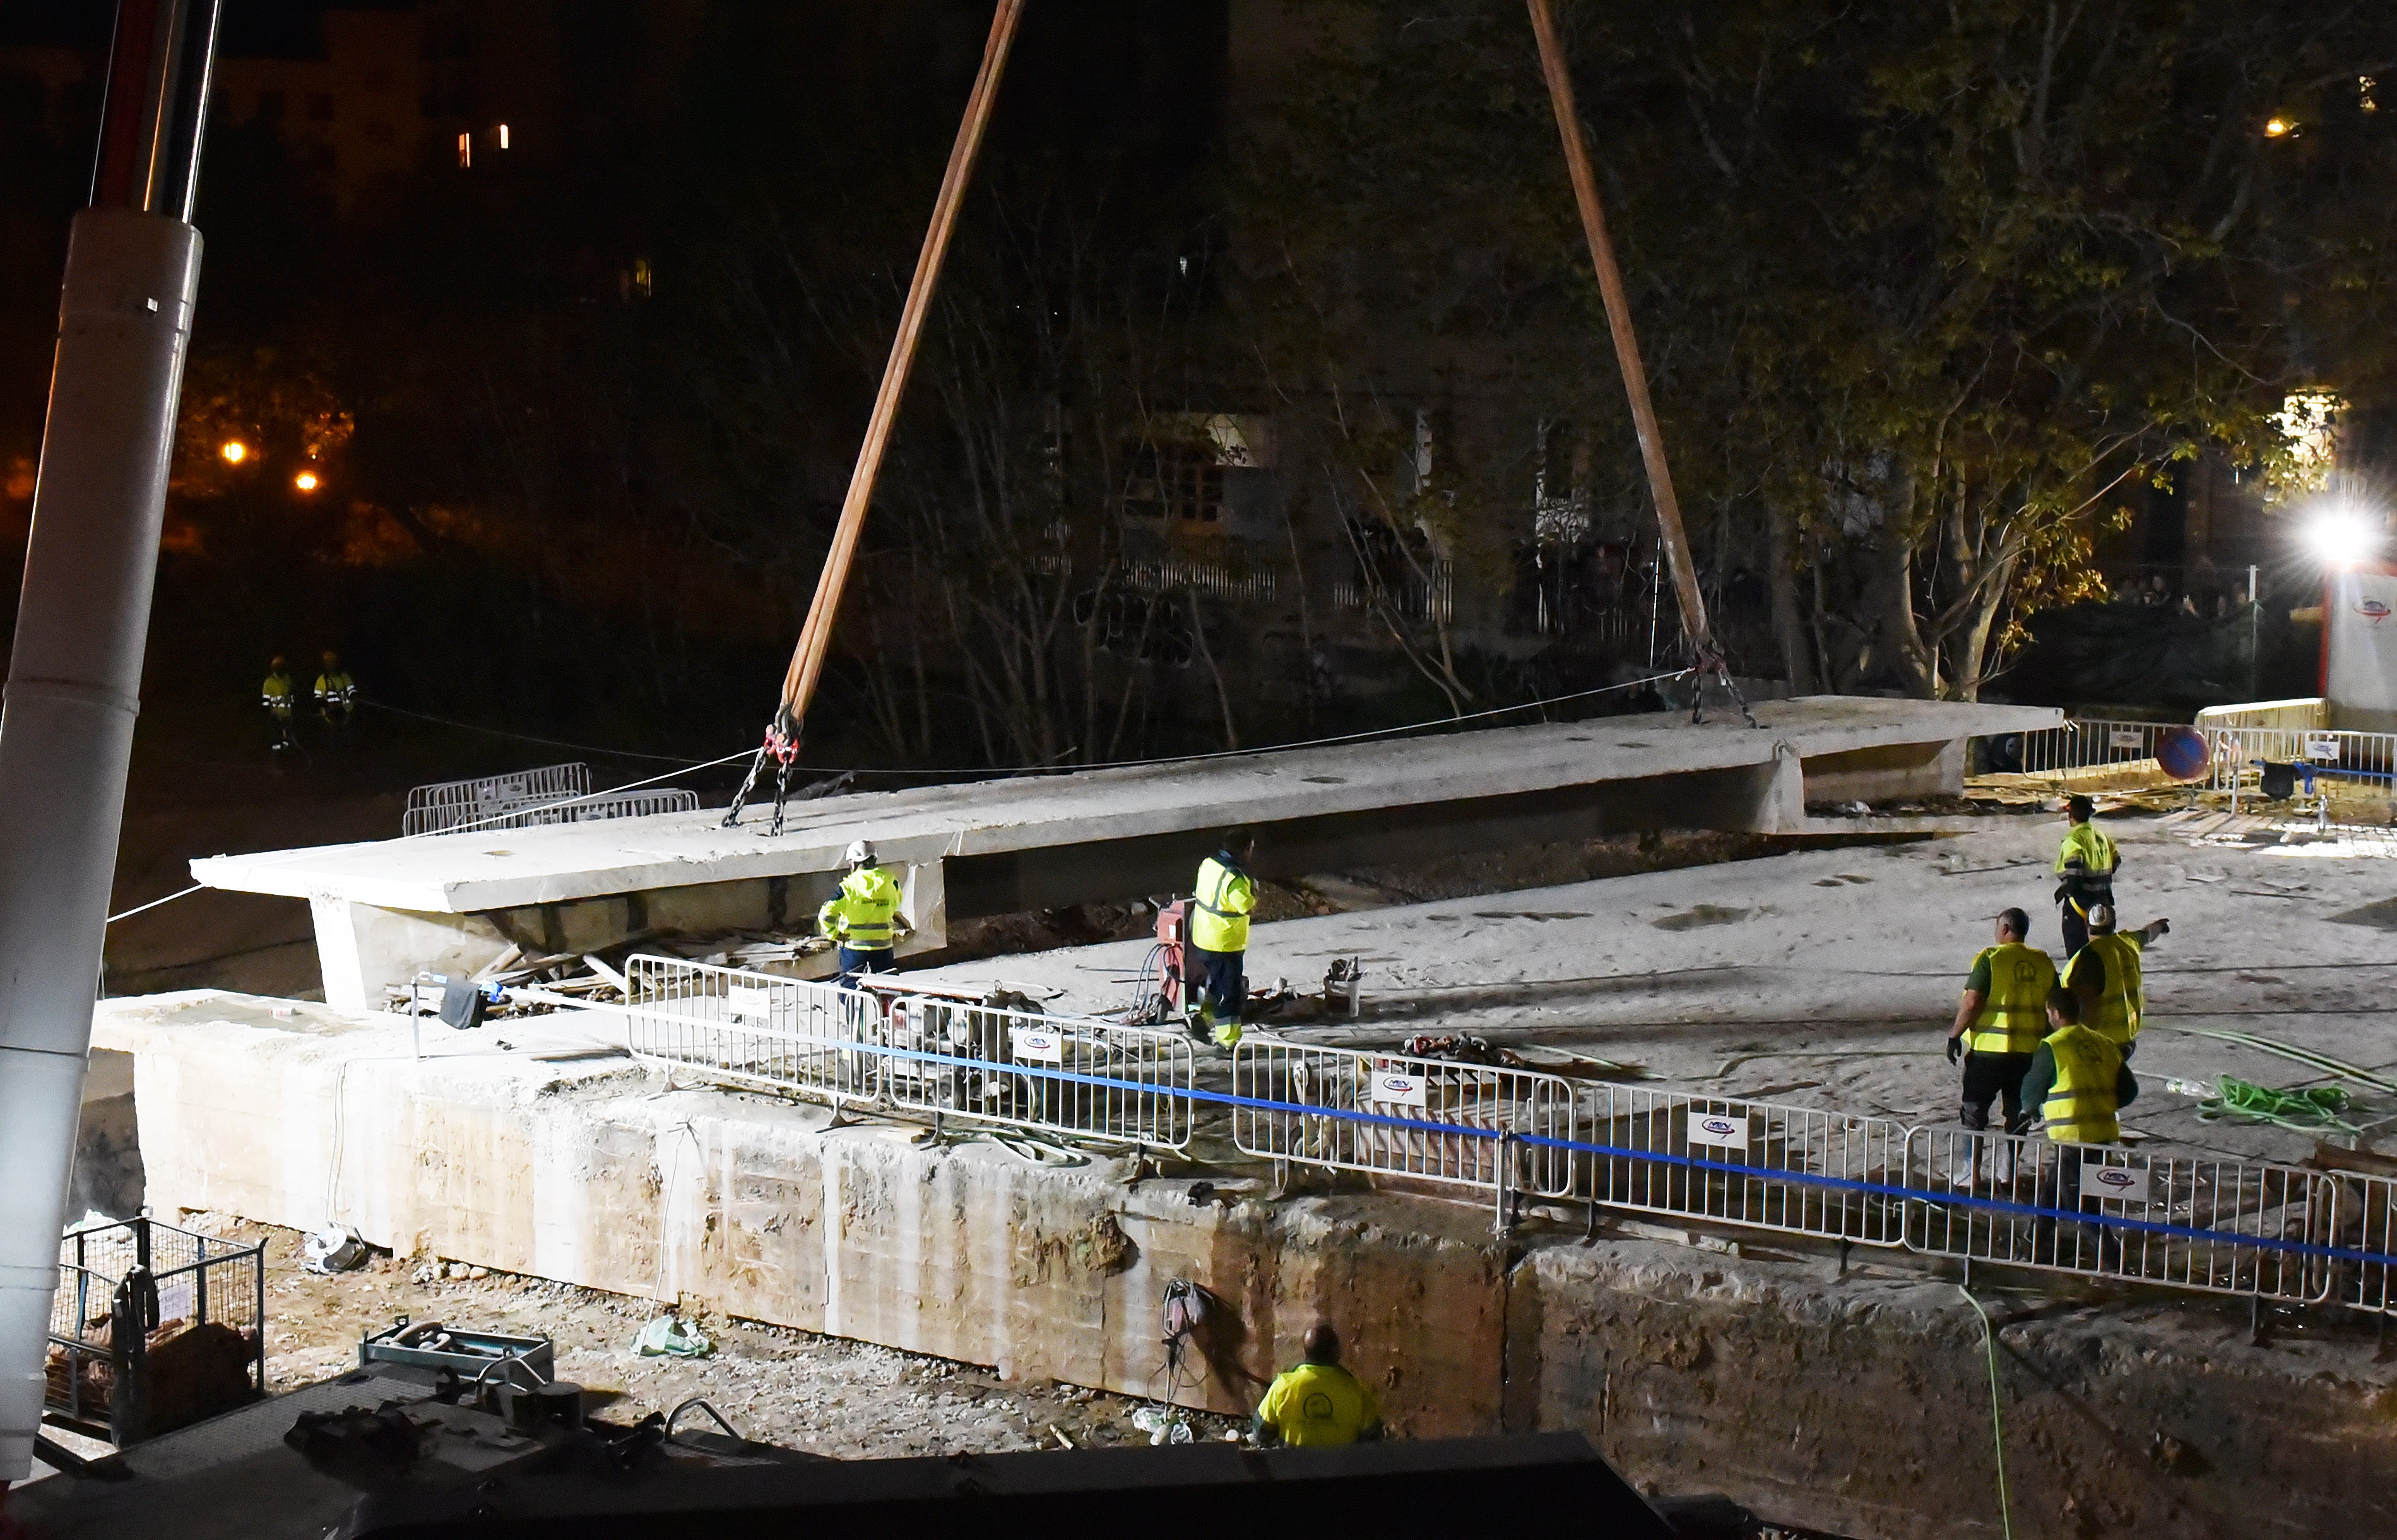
point(1998, 1027)
point(1224, 898)
point(864, 916)
point(1319, 1401)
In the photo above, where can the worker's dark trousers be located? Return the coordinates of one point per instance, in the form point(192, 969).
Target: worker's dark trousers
point(1988, 1077)
point(2076, 930)
point(1225, 991)
point(855, 961)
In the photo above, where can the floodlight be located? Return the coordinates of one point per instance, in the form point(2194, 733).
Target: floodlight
point(2343, 534)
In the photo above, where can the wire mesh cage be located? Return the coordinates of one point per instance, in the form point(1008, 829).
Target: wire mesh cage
point(153, 1326)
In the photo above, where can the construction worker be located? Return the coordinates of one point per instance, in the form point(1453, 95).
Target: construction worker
point(1318, 1402)
point(1998, 1026)
point(2107, 979)
point(2085, 864)
point(276, 697)
point(2080, 1085)
point(1222, 899)
point(864, 916)
point(337, 693)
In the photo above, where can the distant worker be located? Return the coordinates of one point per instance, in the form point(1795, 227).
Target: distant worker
point(337, 693)
point(2107, 978)
point(2085, 864)
point(276, 697)
point(2080, 1085)
point(864, 916)
point(1318, 1402)
point(1222, 899)
point(1998, 1027)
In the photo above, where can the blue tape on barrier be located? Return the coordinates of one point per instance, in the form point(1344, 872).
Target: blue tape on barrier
point(1841, 1184)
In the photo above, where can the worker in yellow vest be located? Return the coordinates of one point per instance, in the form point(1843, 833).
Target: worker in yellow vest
point(1319, 1401)
point(1998, 1026)
point(2108, 980)
point(864, 916)
point(336, 692)
point(2080, 1085)
point(1221, 901)
point(2086, 865)
point(275, 695)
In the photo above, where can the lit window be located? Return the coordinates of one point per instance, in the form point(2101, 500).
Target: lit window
point(465, 149)
point(1176, 481)
point(503, 136)
point(2364, 86)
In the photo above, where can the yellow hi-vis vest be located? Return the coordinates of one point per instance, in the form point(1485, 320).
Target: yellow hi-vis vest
point(1318, 1403)
point(2114, 1014)
point(2095, 852)
point(1223, 896)
point(2081, 1106)
point(2014, 1013)
point(859, 916)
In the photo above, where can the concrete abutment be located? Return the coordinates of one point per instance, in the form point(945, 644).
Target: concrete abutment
point(1859, 1405)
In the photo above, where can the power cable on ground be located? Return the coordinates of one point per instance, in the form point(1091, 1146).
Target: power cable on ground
point(1997, 1423)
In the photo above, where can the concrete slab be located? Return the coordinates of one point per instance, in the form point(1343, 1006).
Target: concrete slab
point(386, 909)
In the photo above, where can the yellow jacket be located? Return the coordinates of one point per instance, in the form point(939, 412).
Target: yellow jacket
point(1318, 1403)
point(859, 916)
point(1224, 897)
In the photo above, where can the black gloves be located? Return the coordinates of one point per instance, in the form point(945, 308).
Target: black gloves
point(1955, 1050)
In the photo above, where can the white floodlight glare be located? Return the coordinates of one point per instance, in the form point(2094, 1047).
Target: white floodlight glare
point(2343, 534)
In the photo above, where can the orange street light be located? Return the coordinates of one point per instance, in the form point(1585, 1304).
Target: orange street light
point(2277, 127)
point(306, 481)
point(234, 451)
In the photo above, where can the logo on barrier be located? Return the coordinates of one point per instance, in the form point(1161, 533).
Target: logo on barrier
point(2114, 1184)
point(2374, 611)
point(748, 1003)
point(2322, 748)
point(2126, 738)
point(1039, 1045)
point(1718, 1130)
point(1392, 1088)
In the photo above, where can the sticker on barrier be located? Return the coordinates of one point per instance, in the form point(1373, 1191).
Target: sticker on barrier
point(1426, 1118)
point(2113, 1212)
point(1757, 1164)
point(1086, 1079)
point(789, 1034)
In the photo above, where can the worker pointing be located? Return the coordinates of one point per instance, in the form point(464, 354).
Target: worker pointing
point(1224, 897)
point(2086, 865)
point(2107, 978)
point(864, 916)
point(1998, 1027)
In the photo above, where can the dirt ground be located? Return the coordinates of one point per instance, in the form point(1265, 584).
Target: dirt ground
point(774, 1383)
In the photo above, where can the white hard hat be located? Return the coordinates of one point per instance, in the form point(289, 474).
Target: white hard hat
point(861, 853)
point(2101, 917)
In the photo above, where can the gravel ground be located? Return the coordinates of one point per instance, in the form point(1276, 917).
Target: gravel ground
point(772, 1383)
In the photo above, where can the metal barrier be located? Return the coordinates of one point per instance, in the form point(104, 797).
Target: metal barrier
point(1427, 1118)
point(2332, 751)
point(2085, 744)
point(1083, 1078)
point(2180, 1220)
point(756, 1029)
point(453, 803)
point(2214, 1226)
point(1802, 1170)
point(591, 810)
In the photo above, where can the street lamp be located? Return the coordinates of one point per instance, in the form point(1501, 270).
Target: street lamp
point(234, 451)
point(306, 481)
point(2343, 534)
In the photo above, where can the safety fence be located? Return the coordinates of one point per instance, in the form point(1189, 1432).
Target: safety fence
point(2241, 753)
point(2085, 744)
point(1510, 1133)
point(455, 804)
point(2304, 711)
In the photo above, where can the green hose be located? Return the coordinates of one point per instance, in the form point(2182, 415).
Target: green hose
point(2313, 1111)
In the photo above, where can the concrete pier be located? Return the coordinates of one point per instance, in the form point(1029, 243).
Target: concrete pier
point(451, 902)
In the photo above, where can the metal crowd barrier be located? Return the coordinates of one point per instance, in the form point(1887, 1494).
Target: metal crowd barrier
point(1802, 1170)
point(2083, 744)
point(2176, 1221)
point(2332, 751)
point(1427, 1118)
point(590, 809)
point(1085, 1079)
point(453, 803)
point(2180, 1220)
point(756, 1029)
